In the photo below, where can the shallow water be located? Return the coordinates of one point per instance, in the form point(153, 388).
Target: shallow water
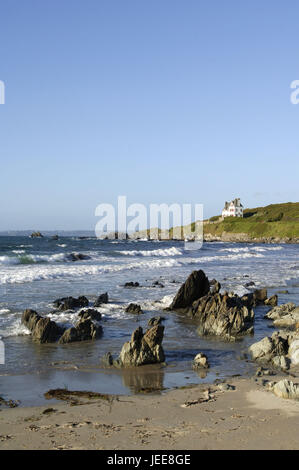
point(34, 272)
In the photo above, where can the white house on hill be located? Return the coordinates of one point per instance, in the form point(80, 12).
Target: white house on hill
point(233, 209)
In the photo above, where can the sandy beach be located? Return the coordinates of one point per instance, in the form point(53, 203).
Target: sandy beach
point(246, 416)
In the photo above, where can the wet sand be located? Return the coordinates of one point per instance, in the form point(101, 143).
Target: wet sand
point(201, 417)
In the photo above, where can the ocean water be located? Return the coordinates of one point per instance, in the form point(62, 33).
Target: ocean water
point(35, 272)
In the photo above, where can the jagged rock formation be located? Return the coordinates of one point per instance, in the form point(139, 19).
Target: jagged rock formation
point(273, 350)
point(43, 329)
point(143, 348)
point(225, 315)
point(196, 286)
point(84, 330)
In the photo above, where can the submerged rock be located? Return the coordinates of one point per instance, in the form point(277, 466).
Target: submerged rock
point(102, 299)
point(43, 329)
point(143, 348)
point(70, 303)
point(77, 257)
point(196, 286)
point(134, 308)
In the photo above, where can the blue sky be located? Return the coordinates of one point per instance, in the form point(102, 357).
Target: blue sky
point(161, 101)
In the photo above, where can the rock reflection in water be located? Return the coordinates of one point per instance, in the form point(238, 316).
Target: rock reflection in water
point(144, 379)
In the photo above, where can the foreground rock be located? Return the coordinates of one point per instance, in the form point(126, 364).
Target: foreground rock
point(284, 316)
point(70, 303)
point(143, 348)
point(200, 362)
point(275, 350)
point(43, 329)
point(285, 389)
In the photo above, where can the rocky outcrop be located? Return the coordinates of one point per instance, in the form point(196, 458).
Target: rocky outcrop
point(200, 362)
point(196, 286)
point(70, 303)
point(222, 315)
point(134, 308)
point(102, 299)
point(143, 348)
point(43, 329)
point(284, 316)
point(273, 350)
point(225, 315)
point(85, 330)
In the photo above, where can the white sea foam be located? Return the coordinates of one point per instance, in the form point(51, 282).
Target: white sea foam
point(15, 329)
point(4, 311)
point(166, 252)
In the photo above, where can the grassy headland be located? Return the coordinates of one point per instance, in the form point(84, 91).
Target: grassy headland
point(279, 221)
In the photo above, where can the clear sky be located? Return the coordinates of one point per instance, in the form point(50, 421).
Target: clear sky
point(160, 100)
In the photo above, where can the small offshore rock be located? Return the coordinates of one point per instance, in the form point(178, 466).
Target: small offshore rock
point(102, 299)
point(134, 308)
point(70, 303)
point(132, 284)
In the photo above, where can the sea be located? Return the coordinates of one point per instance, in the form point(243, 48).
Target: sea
point(36, 271)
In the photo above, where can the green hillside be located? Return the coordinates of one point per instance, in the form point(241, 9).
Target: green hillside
point(276, 220)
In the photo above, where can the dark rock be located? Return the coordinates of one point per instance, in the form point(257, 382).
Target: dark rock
point(250, 284)
point(91, 314)
point(155, 321)
point(85, 330)
point(196, 286)
point(134, 308)
point(70, 303)
point(102, 299)
point(158, 284)
point(43, 329)
point(260, 295)
point(36, 235)
point(55, 237)
point(216, 288)
point(77, 257)
point(132, 284)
